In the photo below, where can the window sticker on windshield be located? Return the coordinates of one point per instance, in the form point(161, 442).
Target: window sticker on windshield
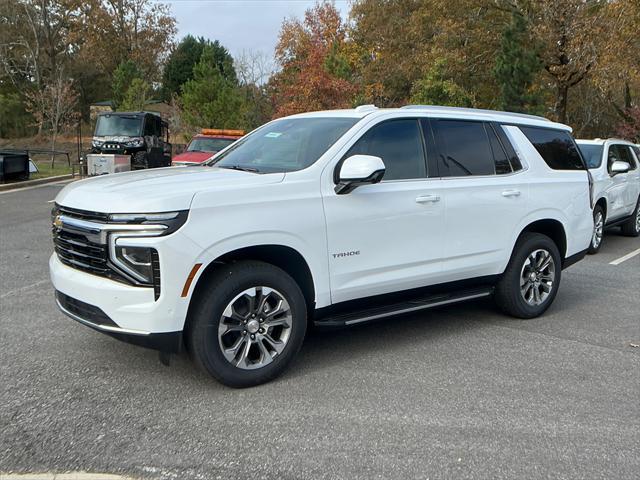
point(273, 135)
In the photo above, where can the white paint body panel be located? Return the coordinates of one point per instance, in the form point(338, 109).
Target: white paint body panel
point(408, 234)
point(620, 192)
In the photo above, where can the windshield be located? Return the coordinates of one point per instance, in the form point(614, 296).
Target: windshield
point(285, 145)
point(592, 153)
point(209, 144)
point(118, 126)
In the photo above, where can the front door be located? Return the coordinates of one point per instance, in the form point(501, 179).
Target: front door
point(388, 236)
point(617, 183)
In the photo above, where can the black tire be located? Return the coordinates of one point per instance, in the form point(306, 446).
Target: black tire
point(139, 161)
point(508, 294)
point(225, 285)
point(631, 228)
point(596, 242)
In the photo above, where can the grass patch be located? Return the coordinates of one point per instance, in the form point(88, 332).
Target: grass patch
point(45, 170)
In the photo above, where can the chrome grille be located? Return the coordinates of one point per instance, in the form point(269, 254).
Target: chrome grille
point(81, 248)
point(77, 251)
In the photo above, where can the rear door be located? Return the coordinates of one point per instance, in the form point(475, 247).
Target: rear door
point(485, 195)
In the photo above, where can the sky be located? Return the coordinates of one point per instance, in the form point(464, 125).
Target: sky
point(240, 24)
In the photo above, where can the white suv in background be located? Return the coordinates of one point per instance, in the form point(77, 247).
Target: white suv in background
point(327, 218)
point(615, 167)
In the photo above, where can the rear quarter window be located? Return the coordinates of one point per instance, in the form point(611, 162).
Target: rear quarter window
point(636, 150)
point(556, 147)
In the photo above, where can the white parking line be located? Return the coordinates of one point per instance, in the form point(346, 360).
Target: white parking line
point(618, 261)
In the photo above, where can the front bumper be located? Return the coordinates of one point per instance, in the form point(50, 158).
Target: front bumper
point(123, 311)
point(93, 317)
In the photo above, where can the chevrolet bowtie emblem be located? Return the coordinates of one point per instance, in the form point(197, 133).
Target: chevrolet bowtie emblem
point(57, 222)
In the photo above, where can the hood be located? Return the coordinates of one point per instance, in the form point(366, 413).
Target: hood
point(198, 157)
point(154, 190)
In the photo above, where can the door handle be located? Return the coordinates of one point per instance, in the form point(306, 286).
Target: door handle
point(428, 199)
point(511, 193)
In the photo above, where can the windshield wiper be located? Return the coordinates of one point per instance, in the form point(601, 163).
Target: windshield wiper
point(238, 167)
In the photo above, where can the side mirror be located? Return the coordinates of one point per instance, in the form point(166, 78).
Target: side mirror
point(619, 167)
point(359, 170)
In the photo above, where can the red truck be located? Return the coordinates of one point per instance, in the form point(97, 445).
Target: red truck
point(204, 145)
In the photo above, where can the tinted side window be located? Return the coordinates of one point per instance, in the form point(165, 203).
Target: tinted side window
point(592, 154)
point(620, 153)
point(399, 144)
point(149, 126)
point(556, 147)
point(516, 164)
point(500, 156)
point(464, 148)
point(637, 152)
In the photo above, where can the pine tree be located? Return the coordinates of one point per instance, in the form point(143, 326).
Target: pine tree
point(516, 66)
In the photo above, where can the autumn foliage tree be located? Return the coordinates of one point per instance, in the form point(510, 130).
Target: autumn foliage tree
point(54, 106)
point(314, 74)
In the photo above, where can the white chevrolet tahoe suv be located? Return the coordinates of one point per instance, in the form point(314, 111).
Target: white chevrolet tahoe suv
point(615, 167)
point(328, 219)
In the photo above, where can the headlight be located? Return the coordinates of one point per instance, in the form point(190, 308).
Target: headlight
point(136, 142)
point(96, 143)
point(171, 220)
point(137, 262)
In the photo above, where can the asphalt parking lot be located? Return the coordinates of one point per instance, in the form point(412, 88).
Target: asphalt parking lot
point(462, 392)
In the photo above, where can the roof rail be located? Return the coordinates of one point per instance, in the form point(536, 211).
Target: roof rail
point(366, 108)
point(436, 108)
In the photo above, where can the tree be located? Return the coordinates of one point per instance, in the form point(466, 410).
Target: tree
point(516, 67)
point(119, 30)
point(629, 128)
point(137, 96)
point(15, 121)
point(572, 34)
point(436, 89)
point(54, 106)
point(308, 53)
point(37, 44)
point(253, 69)
point(123, 78)
point(391, 40)
point(179, 67)
point(212, 99)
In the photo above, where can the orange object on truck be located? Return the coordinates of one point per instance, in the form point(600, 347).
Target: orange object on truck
point(206, 144)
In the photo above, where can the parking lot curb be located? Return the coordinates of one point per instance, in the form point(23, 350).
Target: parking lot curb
point(32, 183)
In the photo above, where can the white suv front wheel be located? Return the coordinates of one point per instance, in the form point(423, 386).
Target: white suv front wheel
point(248, 323)
point(598, 230)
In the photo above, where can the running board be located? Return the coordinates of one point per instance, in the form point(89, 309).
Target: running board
point(413, 305)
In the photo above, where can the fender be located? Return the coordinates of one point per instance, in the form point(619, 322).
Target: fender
point(316, 261)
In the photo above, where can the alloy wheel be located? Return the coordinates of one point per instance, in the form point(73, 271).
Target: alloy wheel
point(598, 230)
point(537, 277)
point(255, 328)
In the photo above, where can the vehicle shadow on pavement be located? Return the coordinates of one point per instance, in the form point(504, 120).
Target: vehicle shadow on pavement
point(324, 349)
